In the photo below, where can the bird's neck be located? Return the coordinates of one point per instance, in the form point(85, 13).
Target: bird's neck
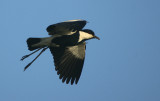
point(84, 36)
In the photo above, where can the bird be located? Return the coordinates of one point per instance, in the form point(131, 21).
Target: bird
point(67, 44)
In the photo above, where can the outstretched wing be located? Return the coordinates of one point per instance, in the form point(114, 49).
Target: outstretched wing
point(69, 62)
point(66, 28)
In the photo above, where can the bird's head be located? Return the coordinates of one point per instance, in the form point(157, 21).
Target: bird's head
point(89, 34)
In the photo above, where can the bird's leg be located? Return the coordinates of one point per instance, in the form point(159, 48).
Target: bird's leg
point(30, 54)
point(35, 58)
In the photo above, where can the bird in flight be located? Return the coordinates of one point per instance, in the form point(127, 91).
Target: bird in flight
point(67, 45)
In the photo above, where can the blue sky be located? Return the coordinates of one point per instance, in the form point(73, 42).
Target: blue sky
point(123, 66)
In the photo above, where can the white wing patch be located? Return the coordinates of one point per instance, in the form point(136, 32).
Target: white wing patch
point(66, 28)
point(74, 20)
point(78, 51)
point(72, 32)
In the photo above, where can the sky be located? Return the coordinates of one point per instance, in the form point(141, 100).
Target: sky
point(123, 66)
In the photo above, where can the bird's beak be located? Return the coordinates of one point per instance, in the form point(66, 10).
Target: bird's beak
point(97, 37)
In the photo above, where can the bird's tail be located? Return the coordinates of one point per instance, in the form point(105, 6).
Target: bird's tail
point(34, 43)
